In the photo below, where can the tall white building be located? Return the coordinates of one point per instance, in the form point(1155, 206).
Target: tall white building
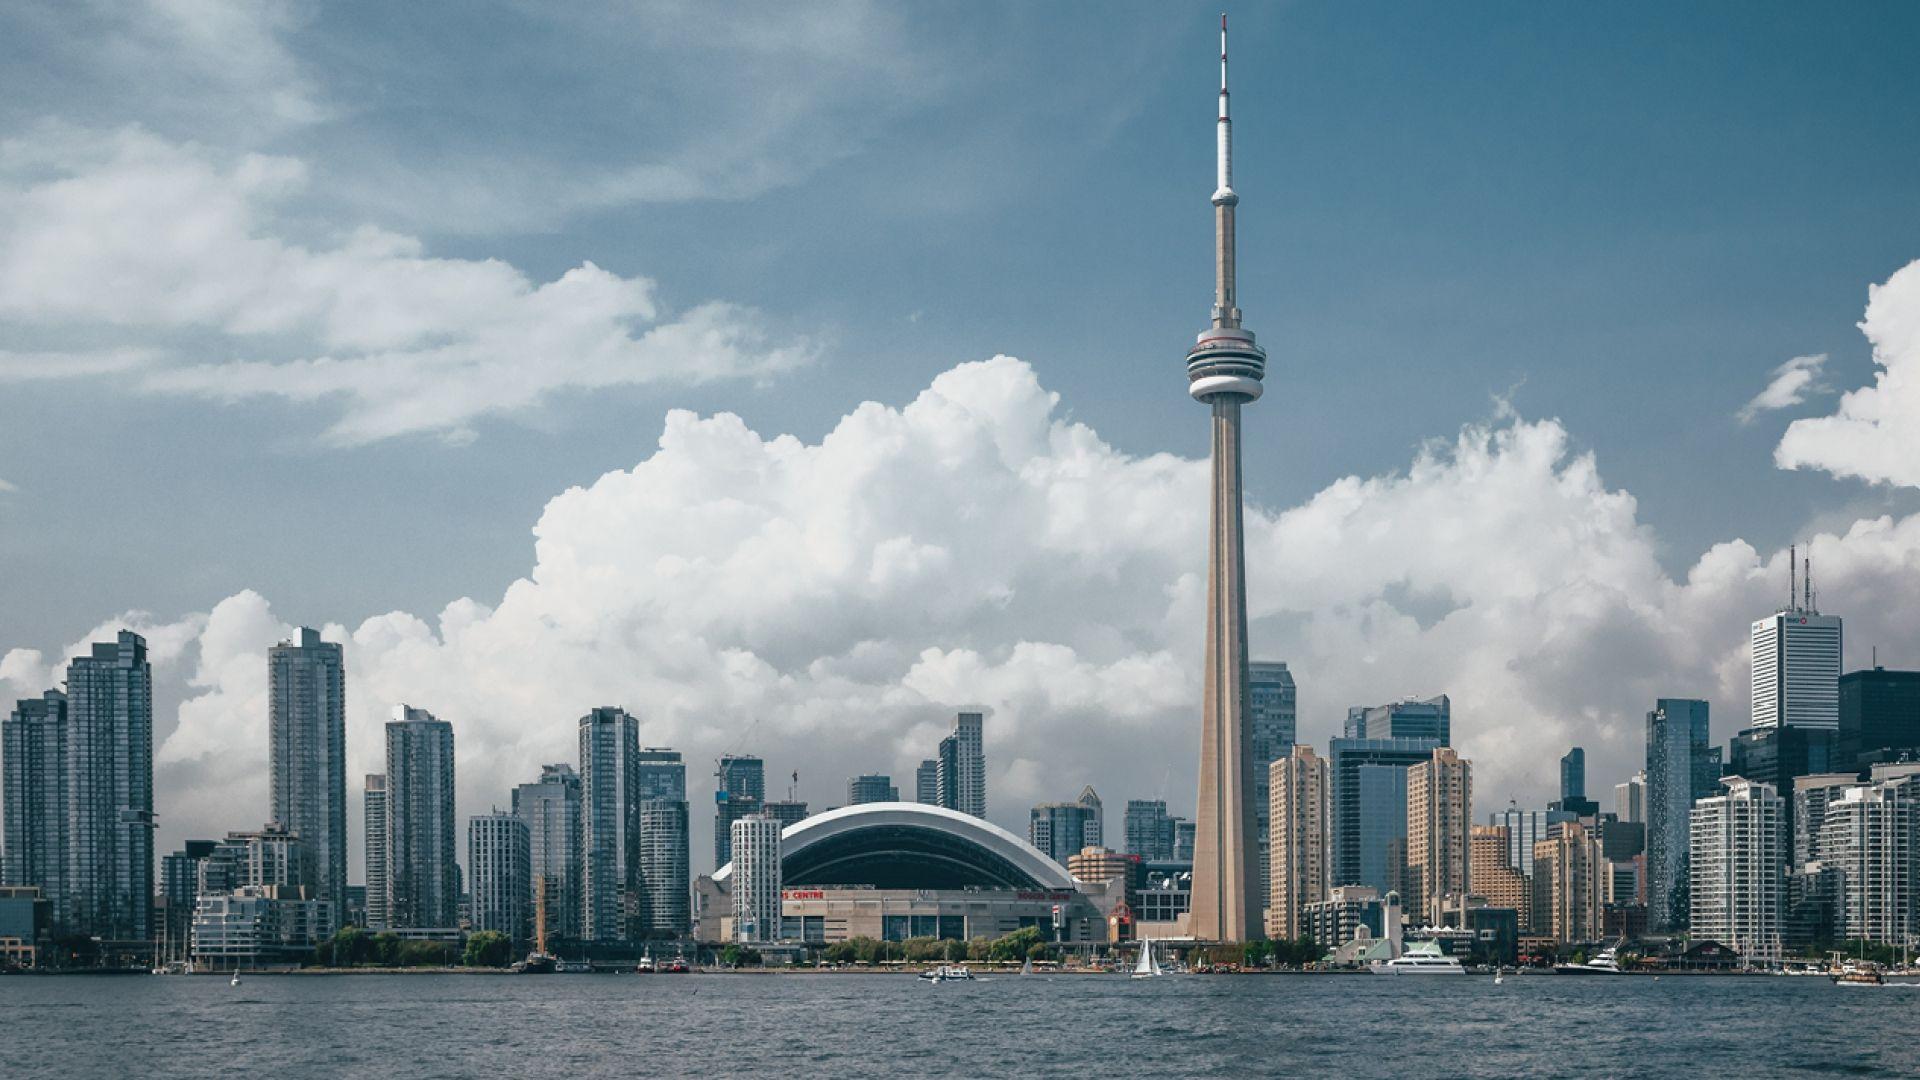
point(961, 769)
point(756, 878)
point(1737, 890)
point(1630, 798)
point(1796, 670)
point(376, 850)
point(498, 874)
point(1869, 840)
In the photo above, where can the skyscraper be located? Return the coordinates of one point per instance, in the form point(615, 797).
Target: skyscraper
point(1439, 816)
point(1096, 829)
point(926, 783)
point(755, 888)
point(109, 872)
point(1573, 774)
point(307, 757)
point(871, 788)
point(1149, 830)
point(740, 786)
point(960, 776)
point(1737, 894)
point(1681, 768)
point(1271, 702)
point(1879, 717)
point(1369, 787)
point(33, 799)
point(666, 907)
point(1869, 841)
point(1299, 853)
point(423, 840)
point(609, 820)
point(1224, 369)
point(1490, 854)
point(375, 811)
point(1630, 798)
point(1776, 757)
point(1811, 796)
point(1796, 670)
point(1569, 883)
point(1409, 719)
point(498, 864)
point(550, 807)
point(1525, 828)
point(1060, 829)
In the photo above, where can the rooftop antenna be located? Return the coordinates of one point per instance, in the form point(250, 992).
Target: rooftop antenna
point(1807, 584)
point(1793, 580)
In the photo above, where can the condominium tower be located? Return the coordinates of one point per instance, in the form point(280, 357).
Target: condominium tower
point(422, 838)
point(307, 757)
point(109, 868)
point(1300, 856)
point(609, 816)
point(1738, 883)
point(1439, 816)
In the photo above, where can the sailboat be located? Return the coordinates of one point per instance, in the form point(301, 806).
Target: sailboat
point(1149, 965)
point(1026, 968)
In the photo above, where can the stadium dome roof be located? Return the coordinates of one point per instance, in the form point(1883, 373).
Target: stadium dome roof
point(902, 845)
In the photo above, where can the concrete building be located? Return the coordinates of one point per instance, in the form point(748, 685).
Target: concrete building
point(1777, 756)
point(1569, 883)
point(307, 757)
point(871, 788)
point(1681, 768)
point(1100, 864)
point(550, 807)
point(109, 871)
point(609, 816)
point(501, 882)
point(26, 923)
point(1348, 911)
point(1869, 843)
point(1879, 718)
point(1630, 799)
point(1439, 816)
point(1224, 371)
point(1525, 828)
point(740, 788)
point(1811, 795)
point(1183, 834)
point(33, 798)
point(1369, 802)
point(422, 837)
point(1410, 719)
point(1300, 854)
point(374, 811)
point(1149, 830)
point(1062, 829)
point(1494, 878)
point(665, 876)
point(1272, 704)
point(926, 783)
point(179, 888)
point(259, 926)
point(755, 880)
point(1738, 878)
point(960, 770)
point(1796, 670)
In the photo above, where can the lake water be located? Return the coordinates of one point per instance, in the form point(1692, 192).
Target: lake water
point(888, 1025)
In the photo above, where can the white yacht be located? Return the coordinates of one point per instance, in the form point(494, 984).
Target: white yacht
point(947, 973)
point(1603, 963)
point(1421, 958)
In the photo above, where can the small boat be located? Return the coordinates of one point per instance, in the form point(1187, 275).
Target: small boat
point(1602, 964)
point(1026, 966)
point(1498, 978)
point(1421, 958)
point(676, 966)
point(947, 973)
point(1149, 965)
point(236, 979)
point(645, 966)
point(1859, 975)
point(536, 963)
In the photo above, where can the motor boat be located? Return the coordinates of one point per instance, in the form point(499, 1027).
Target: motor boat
point(1421, 958)
point(947, 973)
point(1603, 963)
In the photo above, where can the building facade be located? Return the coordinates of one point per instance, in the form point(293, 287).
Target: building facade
point(1300, 855)
point(109, 872)
point(665, 875)
point(926, 783)
point(33, 799)
point(1630, 798)
point(1868, 842)
point(609, 818)
point(1737, 894)
point(422, 836)
point(1149, 830)
point(374, 810)
point(1439, 815)
point(499, 868)
point(740, 788)
point(1369, 803)
point(871, 788)
point(307, 756)
point(960, 770)
point(550, 808)
point(1062, 829)
point(1430, 719)
point(1569, 884)
point(755, 887)
point(1879, 717)
point(1681, 768)
point(1796, 670)
point(1272, 705)
point(1490, 850)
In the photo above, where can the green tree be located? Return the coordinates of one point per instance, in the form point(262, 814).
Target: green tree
point(385, 951)
point(487, 948)
point(841, 952)
point(956, 950)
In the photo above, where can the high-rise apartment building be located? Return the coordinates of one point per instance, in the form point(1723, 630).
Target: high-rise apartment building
point(1796, 670)
point(1149, 830)
point(1429, 719)
point(665, 848)
point(500, 882)
point(1439, 816)
point(1300, 854)
point(926, 783)
point(1569, 883)
point(1525, 828)
point(1777, 756)
point(550, 807)
point(1272, 701)
point(609, 819)
point(1879, 717)
point(1630, 799)
point(871, 788)
point(1811, 796)
point(374, 809)
point(109, 871)
point(307, 757)
point(1490, 851)
point(1737, 894)
point(960, 776)
point(1369, 800)
point(423, 837)
point(740, 787)
point(755, 888)
point(1061, 829)
point(1096, 828)
point(1870, 842)
point(33, 799)
point(1681, 769)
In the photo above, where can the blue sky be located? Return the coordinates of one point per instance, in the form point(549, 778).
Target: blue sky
point(1615, 220)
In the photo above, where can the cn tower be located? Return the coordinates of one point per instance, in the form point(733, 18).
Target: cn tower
point(1224, 369)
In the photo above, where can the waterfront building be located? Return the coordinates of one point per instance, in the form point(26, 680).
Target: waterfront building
point(1149, 830)
point(1869, 842)
point(1796, 669)
point(109, 872)
point(1811, 796)
point(1224, 371)
point(422, 837)
point(550, 807)
point(1272, 702)
point(1489, 851)
point(500, 868)
point(1569, 881)
point(1094, 864)
point(1062, 829)
point(1347, 910)
point(960, 771)
point(926, 783)
point(1630, 798)
point(1439, 814)
point(1429, 719)
point(179, 887)
point(271, 856)
point(374, 809)
point(755, 879)
point(26, 920)
point(33, 799)
point(307, 757)
point(1681, 768)
point(665, 875)
point(1879, 717)
point(871, 787)
point(1737, 893)
point(1369, 804)
point(1777, 756)
point(609, 813)
point(259, 926)
point(1300, 858)
point(740, 787)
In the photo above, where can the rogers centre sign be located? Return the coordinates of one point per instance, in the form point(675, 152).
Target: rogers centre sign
point(1043, 896)
point(802, 894)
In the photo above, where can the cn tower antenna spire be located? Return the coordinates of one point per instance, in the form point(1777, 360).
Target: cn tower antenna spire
point(1226, 310)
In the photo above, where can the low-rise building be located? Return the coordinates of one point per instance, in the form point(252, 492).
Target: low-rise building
point(259, 926)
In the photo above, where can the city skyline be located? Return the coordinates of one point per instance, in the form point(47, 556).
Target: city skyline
point(1579, 589)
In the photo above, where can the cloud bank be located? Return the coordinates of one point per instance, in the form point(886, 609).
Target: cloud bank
point(1874, 435)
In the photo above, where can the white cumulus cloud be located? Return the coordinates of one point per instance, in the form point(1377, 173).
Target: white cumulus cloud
point(1792, 382)
point(1874, 435)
